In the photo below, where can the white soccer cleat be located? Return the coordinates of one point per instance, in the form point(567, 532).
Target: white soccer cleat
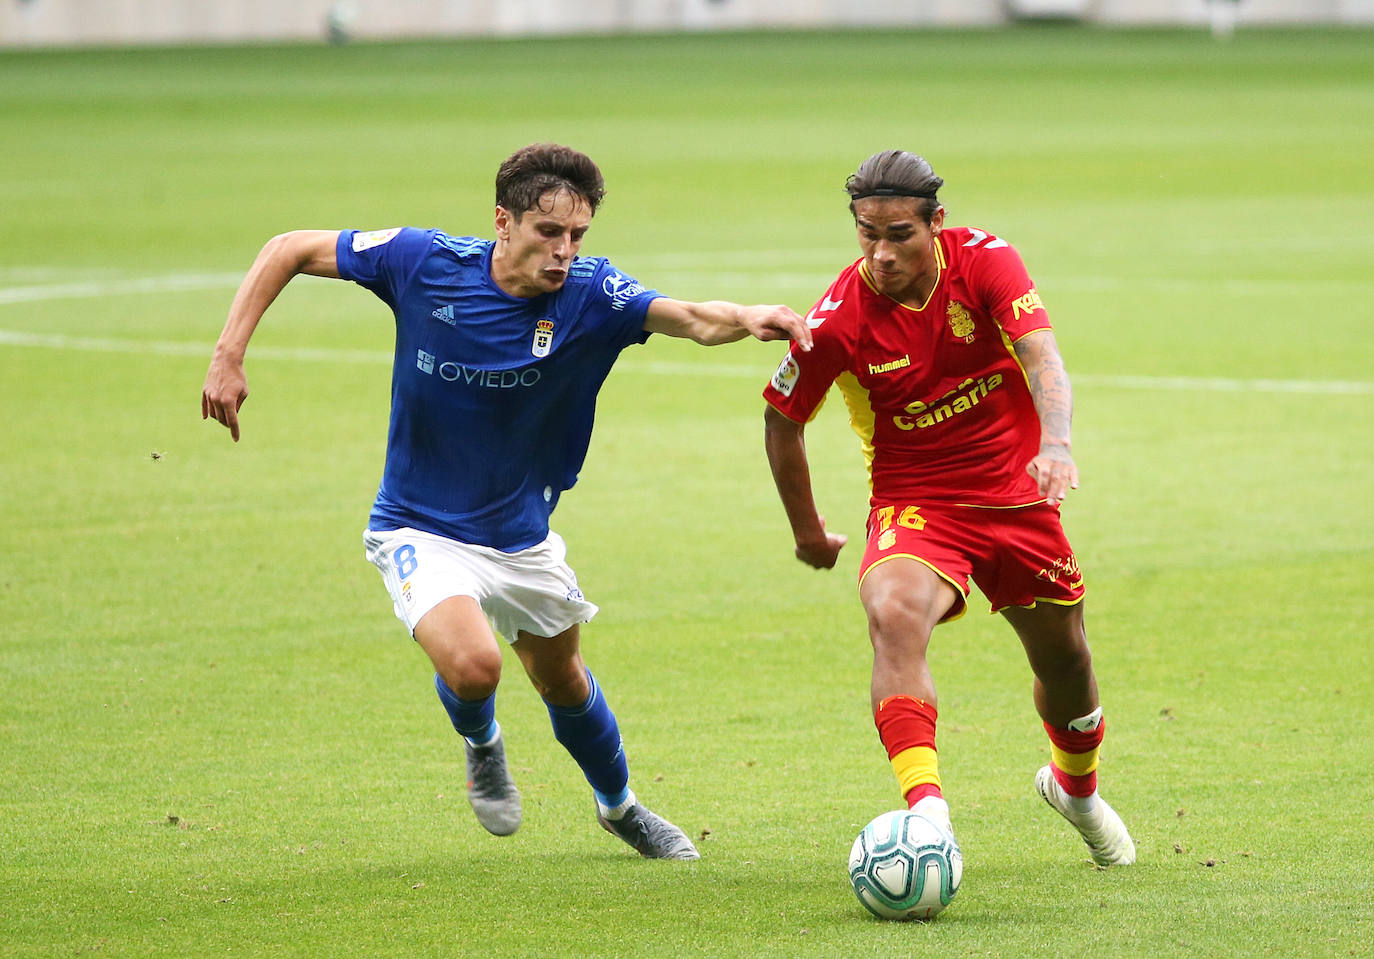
point(936, 809)
point(1099, 825)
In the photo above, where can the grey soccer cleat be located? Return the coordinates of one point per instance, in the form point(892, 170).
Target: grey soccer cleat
point(652, 836)
point(491, 791)
point(1100, 826)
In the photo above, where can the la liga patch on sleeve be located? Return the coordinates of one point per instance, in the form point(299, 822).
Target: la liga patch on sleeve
point(788, 372)
point(366, 241)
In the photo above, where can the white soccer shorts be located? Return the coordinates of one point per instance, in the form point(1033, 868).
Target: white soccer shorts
point(534, 589)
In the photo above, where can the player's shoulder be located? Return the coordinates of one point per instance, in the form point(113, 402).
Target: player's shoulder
point(586, 270)
point(842, 306)
point(981, 255)
point(973, 241)
point(462, 247)
point(595, 279)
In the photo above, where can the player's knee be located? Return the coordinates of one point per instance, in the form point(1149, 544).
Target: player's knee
point(471, 673)
point(1065, 660)
point(566, 685)
point(899, 621)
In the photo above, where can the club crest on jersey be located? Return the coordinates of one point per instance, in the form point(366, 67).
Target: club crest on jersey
point(960, 321)
point(543, 337)
point(371, 238)
point(785, 379)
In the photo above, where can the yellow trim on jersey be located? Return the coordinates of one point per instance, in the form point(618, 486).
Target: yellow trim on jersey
point(867, 277)
point(788, 416)
point(861, 416)
point(916, 766)
point(1011, 350)
point(1075, 764)
point(984, 506)
point(940, 266)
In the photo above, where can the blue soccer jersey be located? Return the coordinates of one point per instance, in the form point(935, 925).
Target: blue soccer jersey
point(492, 396)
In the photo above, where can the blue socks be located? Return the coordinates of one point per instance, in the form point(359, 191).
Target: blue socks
point(590, 734)
point(475, 720)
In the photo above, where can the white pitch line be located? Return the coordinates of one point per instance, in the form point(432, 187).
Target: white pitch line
point(631, 364)
point(58, 341)
point(96, 288)
point(1213, 384)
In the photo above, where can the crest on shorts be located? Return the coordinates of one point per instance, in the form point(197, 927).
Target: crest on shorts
point(888, 538)
point(960, 321)
point(543, 337)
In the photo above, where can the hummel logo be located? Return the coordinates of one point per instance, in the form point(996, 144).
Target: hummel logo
point(827, 305)
point(890, 365)
point(446, 313)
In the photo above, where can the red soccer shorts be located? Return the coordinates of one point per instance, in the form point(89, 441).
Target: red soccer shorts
point(1018, 556)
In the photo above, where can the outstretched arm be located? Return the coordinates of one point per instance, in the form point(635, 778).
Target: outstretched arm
point(282, 258)
point(1053, 467)
point(718, 321)
point(784, 440)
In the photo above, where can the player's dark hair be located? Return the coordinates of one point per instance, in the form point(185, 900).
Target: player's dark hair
point(896, 173)
point(530, 172)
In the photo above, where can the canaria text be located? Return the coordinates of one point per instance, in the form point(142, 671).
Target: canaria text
point(964, 397)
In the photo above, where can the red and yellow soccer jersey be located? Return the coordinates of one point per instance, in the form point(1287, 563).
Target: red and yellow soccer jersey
point(936, 394)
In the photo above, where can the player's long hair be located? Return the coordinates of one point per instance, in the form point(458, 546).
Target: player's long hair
point(896, 173)
point(531, 172)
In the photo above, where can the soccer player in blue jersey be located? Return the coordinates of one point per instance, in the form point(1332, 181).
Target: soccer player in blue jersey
point(501, 348)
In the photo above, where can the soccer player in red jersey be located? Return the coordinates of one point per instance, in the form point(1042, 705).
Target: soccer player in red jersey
point(943, 351)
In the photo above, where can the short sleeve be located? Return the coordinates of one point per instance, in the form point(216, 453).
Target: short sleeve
point(802, 379)
point(382, 260)
point(623, 302)
point(1008, 293)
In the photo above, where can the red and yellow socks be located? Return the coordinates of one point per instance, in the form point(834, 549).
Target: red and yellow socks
point(1073, 753)
point(906, 726)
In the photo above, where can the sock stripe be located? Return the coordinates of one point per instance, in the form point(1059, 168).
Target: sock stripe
point(906, 726)
point(1073, 757)
point(917, 766)
point(1075, 764)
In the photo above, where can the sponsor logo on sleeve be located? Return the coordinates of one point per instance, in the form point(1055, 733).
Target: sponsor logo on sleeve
point(371, 238)
point(1028, 302)
point(621, 289)
point(788, 372)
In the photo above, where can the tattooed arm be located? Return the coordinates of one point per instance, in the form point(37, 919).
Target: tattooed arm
point(1053, 467)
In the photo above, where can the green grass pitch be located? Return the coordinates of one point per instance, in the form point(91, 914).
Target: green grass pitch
point(217, 740)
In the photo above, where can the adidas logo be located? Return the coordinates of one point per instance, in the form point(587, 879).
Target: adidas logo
point(446, 313)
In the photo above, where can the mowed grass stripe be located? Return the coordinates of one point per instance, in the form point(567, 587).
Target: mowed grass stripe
point(631, 364)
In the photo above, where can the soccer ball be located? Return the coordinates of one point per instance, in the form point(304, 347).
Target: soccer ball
point(905, 866)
